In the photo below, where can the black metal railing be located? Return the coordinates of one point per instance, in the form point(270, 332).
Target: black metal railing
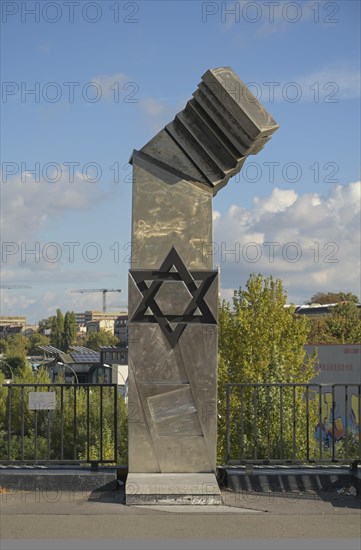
point(293, 423)
point(59, 423)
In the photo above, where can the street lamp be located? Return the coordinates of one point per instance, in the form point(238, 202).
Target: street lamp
point(71, 368)
point(36, 367)
point(10, 369)
point(115, 368)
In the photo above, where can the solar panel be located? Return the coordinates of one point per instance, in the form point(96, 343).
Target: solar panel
point(50, 349)
point(86, 357)
point(83, 349)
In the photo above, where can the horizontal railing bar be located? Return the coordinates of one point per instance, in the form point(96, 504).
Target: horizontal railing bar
point(290, 384)
point(54, 461)
point(97, 385)
point(291, 462)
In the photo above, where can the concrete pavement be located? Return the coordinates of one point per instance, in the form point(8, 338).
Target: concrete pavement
point(99, 515)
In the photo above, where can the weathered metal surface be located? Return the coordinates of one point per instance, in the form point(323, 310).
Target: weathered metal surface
point(168, 211)
point(219, 127)
point(174, 489)
point(173, 290)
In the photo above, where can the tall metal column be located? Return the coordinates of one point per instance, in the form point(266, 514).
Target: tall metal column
point(173, 289)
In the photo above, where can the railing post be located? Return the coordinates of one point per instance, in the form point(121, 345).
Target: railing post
point(228, 438)
point(359, 422)
point(101, 422)
point(61, 422)
point(22, 423)
point(242, 421)
point(320, 418)
point(307, 425)
point(9, 422)
point(94, 466)
point(281, 422)
point(88, 424)
point(115, 389)
point(294, 422)
point(75, 423)
point(268, 424)
point(255, 439)
point(346, 421)
point(333, 423)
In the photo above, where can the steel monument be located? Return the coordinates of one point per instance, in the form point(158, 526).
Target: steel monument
point(174, 289)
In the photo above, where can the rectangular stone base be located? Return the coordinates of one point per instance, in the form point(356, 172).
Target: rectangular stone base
point(168, 489)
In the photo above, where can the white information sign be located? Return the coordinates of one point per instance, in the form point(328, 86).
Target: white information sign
point(40, 401)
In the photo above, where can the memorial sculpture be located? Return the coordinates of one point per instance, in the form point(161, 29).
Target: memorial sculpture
point(174, 290)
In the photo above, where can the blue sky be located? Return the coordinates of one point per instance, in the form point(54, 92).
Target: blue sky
point(130, 67)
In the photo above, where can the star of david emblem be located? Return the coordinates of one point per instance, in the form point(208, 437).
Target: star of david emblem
point(149, 283)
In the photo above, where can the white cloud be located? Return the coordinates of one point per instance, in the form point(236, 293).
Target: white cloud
point(28, 203)
point(112, 85)
point(29, 207)
point(216, 215)
point(278, 201)
point(153, 107)
point(313, 241)
point(12, 302)
point(158, 111)
point(280, 16)
point(330, 84)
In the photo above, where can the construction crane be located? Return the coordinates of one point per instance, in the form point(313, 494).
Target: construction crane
point(9, 287)
point(103, 290)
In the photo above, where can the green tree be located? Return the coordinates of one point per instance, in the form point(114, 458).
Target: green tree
point(70, 330)
point(344, 323)
point(35, 340)
point(4, 346)
point(96, 340)
point(262, 341)
point(17, 363)
point(341, 326)
point(57, 330)
point(17, 344)
point(46, 324)
point(333, 298)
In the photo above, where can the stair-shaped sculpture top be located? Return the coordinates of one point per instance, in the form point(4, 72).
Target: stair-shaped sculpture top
point(211, 138)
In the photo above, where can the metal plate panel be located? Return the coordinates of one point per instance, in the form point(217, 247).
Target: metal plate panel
point(169, 212)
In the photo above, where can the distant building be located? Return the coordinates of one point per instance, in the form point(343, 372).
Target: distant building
point(92, 316)
point(100, 315)
point(10, 325)
point(80, 318)
point(12, 320)
point(103, 324)
point(79, 365)
point(31, 329)
point(7, 331)
point(121, 329)
point(114, 362)
point(316, 310)
point(83, 365)
point(113, 355)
